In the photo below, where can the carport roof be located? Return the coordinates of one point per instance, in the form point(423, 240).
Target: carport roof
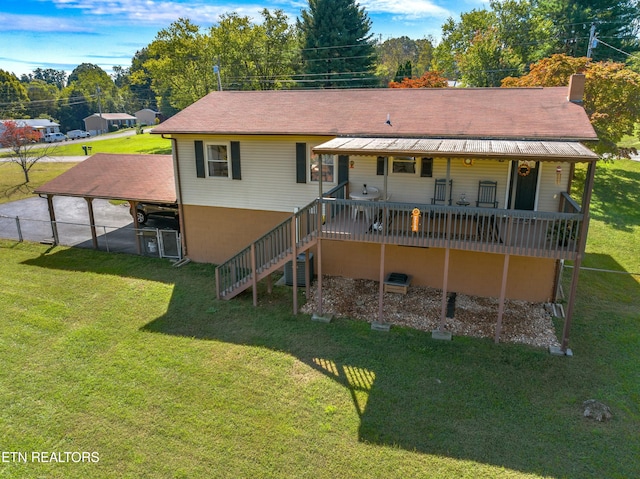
point(147, 178)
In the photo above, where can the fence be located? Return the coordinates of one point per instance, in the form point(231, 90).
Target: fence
point(144, 241)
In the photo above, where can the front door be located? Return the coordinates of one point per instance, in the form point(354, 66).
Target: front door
point(525, 177)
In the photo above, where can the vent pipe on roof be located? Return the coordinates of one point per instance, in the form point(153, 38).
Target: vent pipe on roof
point(576, 88)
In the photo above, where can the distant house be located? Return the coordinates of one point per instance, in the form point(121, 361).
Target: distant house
point(147, 116)
point(41, 125)
point(101, 122)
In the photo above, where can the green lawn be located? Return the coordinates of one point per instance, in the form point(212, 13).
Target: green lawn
point(144, 143)
point(12, 185)
point(137, 361)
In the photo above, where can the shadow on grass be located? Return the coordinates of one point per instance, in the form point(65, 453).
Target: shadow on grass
point(615, 196)
point(22, 189)
point(505, 405)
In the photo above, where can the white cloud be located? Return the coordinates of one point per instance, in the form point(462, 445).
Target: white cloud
point(406, 9)
point(40, 23)
point(158, 12)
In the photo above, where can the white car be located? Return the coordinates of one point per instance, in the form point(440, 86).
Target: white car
point(54, 137)
point(75, 134)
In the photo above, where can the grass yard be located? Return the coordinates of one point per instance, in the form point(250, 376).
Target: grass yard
point(12, 185)
point(138, 362)
point(144, 143)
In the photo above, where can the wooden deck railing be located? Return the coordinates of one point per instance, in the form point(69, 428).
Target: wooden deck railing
point(268, 252)
point(568, 204)
point(488, 230)
point(493, 230)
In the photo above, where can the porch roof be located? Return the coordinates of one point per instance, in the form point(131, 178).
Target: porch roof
point(460, 148)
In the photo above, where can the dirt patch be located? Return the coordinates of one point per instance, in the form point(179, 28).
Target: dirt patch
point(522, 322)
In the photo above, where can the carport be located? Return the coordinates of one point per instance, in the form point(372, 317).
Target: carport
point(134, 178)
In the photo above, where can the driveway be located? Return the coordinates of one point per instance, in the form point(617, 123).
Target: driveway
point(72, 217)
point(114, 224)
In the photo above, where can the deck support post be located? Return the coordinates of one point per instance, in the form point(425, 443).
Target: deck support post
point(254, 275)
point(503, 293)
point(307, 274)
point(586, 201)
point(319, 314)
point(380, 325)
point(294, 263)
point(440, 333)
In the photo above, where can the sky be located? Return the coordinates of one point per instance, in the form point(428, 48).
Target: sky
point(62, 34)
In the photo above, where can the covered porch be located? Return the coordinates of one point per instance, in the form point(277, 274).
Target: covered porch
point(551, 225)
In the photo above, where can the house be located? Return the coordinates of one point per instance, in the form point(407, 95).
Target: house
point(147, 116)
point(41, 125)
point(99, 123)
point(470, 187)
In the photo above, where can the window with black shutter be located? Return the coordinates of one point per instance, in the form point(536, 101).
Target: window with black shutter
point(426, 167)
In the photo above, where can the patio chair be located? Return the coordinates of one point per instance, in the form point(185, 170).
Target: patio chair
point(487, 228)
point(440, 191)
point(487, 194)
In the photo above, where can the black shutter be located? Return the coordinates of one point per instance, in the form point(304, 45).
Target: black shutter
point(235, 160)
point(343, 168)
point(199, 158)
point(426, 168)
point(301, 162)
point(380, 166)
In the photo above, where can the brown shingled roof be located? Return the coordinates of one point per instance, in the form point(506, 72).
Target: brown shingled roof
point(147, 178)
point(509, 113)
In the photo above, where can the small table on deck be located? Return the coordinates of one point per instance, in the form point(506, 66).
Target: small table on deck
point(372, 195)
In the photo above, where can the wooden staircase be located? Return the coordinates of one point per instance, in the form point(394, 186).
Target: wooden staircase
point(268, 253)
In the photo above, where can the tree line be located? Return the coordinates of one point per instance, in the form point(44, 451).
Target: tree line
point(329, 46)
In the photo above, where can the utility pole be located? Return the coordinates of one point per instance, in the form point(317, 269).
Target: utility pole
point(99, 105)
point(593, 41)
point(216, 70)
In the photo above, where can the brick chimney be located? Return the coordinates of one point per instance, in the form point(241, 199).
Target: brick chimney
point(576, 88)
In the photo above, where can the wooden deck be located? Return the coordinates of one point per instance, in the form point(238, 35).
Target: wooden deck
point(523, 233)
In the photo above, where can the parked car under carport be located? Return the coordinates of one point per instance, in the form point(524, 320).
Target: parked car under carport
point(138, 179)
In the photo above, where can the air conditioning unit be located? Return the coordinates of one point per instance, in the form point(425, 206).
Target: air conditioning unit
point(300, 270)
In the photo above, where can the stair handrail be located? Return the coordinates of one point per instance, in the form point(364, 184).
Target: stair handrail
point(270, 248)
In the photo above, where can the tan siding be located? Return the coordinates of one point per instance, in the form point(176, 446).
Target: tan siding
point(215, 234)
point(529, 279)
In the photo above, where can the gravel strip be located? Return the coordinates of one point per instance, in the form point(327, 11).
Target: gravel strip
point(522, 322)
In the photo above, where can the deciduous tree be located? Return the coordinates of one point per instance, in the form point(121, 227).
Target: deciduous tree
point(13, 96)
point(253, 56)
point(612, 95)
point(180, 64)
point(430, 79)
point(23, 141)
point(615, 21)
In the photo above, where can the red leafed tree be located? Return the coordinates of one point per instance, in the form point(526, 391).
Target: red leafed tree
point(23, 141)
point(430, 79)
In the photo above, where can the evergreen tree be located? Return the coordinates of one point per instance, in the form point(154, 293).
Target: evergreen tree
point(404, 71)
point(338, 50)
